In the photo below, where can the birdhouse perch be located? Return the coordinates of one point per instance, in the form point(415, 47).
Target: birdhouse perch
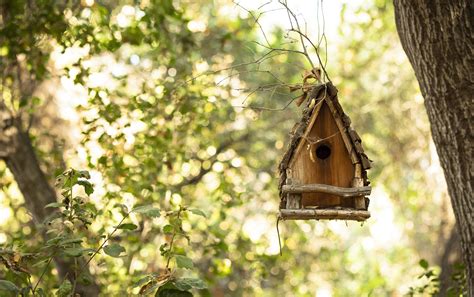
point(323, 172)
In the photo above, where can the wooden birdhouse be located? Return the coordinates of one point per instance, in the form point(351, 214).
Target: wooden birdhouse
point(323, 172)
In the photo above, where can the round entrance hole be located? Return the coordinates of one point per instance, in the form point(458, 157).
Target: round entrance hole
point(323, 151)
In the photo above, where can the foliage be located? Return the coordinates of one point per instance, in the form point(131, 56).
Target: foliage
point(67, 234)
point(180, 193)
point(431, 287)
point(431, 282)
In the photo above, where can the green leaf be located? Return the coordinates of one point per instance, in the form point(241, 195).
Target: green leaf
point(77, 252)
point(184, 262)
point(147, 210)
point(143, 281)
point(122, 207)
point(186, 284)
point(35, 101)
point(8, 286)
point(114, 250)
point(423, 263)
point(173, 293)
point(149, 288)
point(128, 226)
point(84, 174)
point(54, 204)
point(54, 240)
point(40, 292)
point(167, 229)
point(65, 289)
point(198, 212)
point(87, 186)
point(70, 240)
point(102, 160)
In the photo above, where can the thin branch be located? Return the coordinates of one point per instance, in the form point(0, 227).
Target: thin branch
point(170, 254)
point(266, 108)
point(43, 272)
point(251, 71)
point(299, 29)
point(102, 245)
point(256, 19)
point(302, 35)
point(304, 53)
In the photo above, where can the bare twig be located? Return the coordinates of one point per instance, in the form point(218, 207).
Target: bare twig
point(43, 272)
point(256, 19)
point(103, 244)
point(303, 37)
point(170, 253)
point(284, 3)
point(266, 108)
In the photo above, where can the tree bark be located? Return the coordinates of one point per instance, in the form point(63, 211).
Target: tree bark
point(450, 257)
point(30, 179)
point(438, 38)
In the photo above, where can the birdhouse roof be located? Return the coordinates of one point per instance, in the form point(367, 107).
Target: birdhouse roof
point(328, 93)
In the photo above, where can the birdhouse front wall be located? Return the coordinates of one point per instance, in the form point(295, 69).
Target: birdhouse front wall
point(322, 158)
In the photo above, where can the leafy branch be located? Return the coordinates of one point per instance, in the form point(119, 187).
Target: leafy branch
point(168, 282)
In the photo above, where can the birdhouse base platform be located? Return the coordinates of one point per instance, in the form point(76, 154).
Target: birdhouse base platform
point(295, 209)
point(324, 214)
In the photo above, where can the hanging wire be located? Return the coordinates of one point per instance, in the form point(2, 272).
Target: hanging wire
point(278, 233)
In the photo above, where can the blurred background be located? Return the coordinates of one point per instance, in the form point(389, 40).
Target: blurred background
point(184, 103)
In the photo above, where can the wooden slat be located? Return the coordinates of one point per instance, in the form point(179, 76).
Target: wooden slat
point(357, 182)
point(324, 214)
point(336, 170)
point(327, 189)
point(302, 142)
point(293, 201)
point(343, 130)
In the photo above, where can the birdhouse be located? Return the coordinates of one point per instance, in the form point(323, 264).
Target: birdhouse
point(323, 172)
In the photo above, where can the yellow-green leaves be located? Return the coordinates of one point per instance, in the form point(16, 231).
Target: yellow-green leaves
point(77, 251)
point(168, 229)
point(65, 289)
point(54, 205)
point(189, 283)
point(184, 262)
point(7, 286)
point(127, 226)
point(197, 212)
point(114, 250)
point(147, 210)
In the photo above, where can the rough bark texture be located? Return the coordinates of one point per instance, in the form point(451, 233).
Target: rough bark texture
point(438, 37)
point(450, 257)
point(30, 179)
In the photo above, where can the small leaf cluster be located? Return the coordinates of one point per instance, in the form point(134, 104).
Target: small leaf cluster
point(431, 278)
point(432, 286)
point(67, 239)
point(169, 283)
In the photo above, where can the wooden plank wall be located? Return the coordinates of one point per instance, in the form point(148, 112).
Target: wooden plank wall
point(336, 170)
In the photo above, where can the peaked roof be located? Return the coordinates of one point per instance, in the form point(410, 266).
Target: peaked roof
point(351, 139)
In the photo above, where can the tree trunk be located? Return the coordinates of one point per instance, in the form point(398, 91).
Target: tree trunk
point(17, 151)
point(438, 38)
point(450, 257)
point(30, 179)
